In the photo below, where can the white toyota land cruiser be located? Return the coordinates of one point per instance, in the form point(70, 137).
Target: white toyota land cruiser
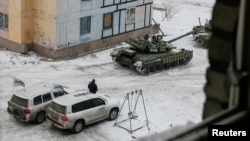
point(76, 110)
point(29, 103)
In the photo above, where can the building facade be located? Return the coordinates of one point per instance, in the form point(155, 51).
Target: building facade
point(63, 28)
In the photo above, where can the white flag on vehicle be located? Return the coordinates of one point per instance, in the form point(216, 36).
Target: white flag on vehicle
point(58, 86)
point(18, 82)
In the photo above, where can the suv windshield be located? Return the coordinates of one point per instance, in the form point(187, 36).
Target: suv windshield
point(58, 108)
point(19, 101)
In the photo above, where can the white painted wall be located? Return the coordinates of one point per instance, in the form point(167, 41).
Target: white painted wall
point(69, 13)
point(139, 17)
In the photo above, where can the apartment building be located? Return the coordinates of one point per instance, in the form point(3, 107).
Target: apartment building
point(65, 28)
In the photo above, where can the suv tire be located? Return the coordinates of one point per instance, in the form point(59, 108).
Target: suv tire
point(78, 127)
point(18, 113)
point(40, 117)
point(200, 41)
point(113, 114)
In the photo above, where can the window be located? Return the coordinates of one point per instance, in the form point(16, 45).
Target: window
point(58, 108)
point(130, 16)
point(20, 101)
point(98, 102)
point(82, 106)
point(46, 97)
point(108, 20)
point(57, 94)
point(37, 100)
point(85, 25)
point(4, 21)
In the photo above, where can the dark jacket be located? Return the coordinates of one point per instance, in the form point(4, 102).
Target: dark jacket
point(92, 86)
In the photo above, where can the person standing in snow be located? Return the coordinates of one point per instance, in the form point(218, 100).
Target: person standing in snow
point(92, 86)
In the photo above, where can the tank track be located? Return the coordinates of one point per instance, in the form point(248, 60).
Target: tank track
point(164, 62)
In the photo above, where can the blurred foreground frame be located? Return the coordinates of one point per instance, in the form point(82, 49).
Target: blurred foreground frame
point(228, 53)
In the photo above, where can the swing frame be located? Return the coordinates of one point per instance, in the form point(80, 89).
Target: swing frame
point(131, 114)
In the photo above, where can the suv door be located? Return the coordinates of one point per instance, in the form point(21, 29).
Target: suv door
point(84, 110)
point(100, 111)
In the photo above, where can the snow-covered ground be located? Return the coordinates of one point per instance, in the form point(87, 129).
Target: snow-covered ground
point(173, 97)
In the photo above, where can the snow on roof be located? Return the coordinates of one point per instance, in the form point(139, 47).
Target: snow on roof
point(34, 90)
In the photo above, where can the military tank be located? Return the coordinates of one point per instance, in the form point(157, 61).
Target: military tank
point(149, 56)
point(202, 35)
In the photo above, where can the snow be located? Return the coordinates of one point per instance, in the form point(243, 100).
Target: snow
point(172, 98)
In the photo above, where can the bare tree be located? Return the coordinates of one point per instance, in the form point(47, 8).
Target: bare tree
point(168, 11)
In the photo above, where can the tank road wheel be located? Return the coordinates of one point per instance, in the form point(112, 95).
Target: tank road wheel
point(145, 71)
point(168, 65)
point(176, 63)
point(200, 41)
point(182, 61)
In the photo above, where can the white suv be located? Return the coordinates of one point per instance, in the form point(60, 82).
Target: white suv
point(29, 103)
point(76, 110)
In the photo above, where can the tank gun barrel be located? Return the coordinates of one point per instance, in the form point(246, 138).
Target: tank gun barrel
point(184, 35)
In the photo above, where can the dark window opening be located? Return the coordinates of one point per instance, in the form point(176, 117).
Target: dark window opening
point(37, 100)
point(46, 97)
point(82, 106)
point(4, 21)
point(57, 94)
point(98, 102)
point(85, 25)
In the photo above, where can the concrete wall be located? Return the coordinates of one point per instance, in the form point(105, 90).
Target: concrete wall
point(20, 21)
point(32, 21)
point(44, 23)
point(96, 45)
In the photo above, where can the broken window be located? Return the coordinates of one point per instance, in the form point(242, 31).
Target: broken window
point(108, 20)
point(130, 16)
point(4, 20)
point(85, 25)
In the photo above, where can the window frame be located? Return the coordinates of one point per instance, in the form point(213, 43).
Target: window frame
point(45, 98)
point(97, 103)
point(83, 105)
point(104, 20)
point(58, 94)
point(88, 25)
point(130, 19)
point(5, 23)
point(40, 100)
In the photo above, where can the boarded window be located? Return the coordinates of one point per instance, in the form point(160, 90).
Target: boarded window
point(130, 18)
point(108, 20)
point(85, 25)
point(4, 21)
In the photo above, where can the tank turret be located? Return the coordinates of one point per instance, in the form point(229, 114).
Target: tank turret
point(156, 44)
point(149, 56)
